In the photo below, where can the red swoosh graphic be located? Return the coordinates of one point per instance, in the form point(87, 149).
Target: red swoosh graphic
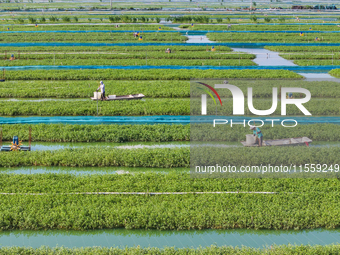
point(213, 90)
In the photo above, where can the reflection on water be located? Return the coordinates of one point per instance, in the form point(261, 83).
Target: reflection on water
point(178, 239)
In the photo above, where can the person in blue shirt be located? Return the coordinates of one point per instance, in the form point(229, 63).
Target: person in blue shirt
point(259, 136)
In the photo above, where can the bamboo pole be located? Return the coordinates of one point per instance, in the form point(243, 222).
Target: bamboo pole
point(29, 137)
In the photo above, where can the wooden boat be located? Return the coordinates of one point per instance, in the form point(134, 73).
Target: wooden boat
point(282, 142)
point(127, 97)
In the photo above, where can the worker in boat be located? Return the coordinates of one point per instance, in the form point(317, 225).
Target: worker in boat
point(258, 134)
point(102, 90)
point(12, 57)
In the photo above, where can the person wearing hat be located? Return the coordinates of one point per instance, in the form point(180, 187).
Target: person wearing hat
point(102, 89)
point(259, 136)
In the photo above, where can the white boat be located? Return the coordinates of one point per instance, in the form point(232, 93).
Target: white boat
point(281, 142)
point(97, 96)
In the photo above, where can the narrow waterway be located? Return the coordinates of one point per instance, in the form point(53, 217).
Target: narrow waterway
point(198, 39)
point(266, 57)
point(86, 170)
point(179, 239)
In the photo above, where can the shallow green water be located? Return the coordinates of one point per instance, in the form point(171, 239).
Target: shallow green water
point(179, 239)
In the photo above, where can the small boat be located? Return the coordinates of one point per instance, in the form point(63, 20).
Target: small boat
point(114, 97)
point(281, 142)
point(15, 148)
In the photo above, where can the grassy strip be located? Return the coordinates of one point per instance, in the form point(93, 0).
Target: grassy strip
point(268, 28)
point(85, 89)
point(155, 182)
point(75, 26)
point(304, 49)
point(159, 74)
point(112, 49)
point(254, 156)
point(316, 62)
point(162, 106)
point(212, 250)
point(146, 107)
point(317, 107)
point(93, 37)
point(160, 132)
point(166, 158)
point(316, 132)
point(169, 158)
point(217, 211)
point(335, 72)
point(98, 133)
point(142, 54)
point(279, 37)
point(155, 89)
point(131, 62)
point(311, 56)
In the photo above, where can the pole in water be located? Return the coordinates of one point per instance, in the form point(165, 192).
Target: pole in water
point(30, 137)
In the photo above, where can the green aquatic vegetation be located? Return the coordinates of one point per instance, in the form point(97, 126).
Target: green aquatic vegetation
point(262, 27)
point(158, 74)
point(149, 106)
point(173, 212)
point(317, 62)
point(316, 132)
point(142, 54)
point(157, 182)
point(335, 72)
point(161, 106)
point(98, 133)
point(93, 37)
point(275, 156)
point(305, 49)
point(111, 49)
point(169, 158)
point(154, 88)
point(130, 62)
point(163, 158)
point(275, 37)
point(85, 89)
point(76, 27)
point(211, 250)
point(160, 132)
